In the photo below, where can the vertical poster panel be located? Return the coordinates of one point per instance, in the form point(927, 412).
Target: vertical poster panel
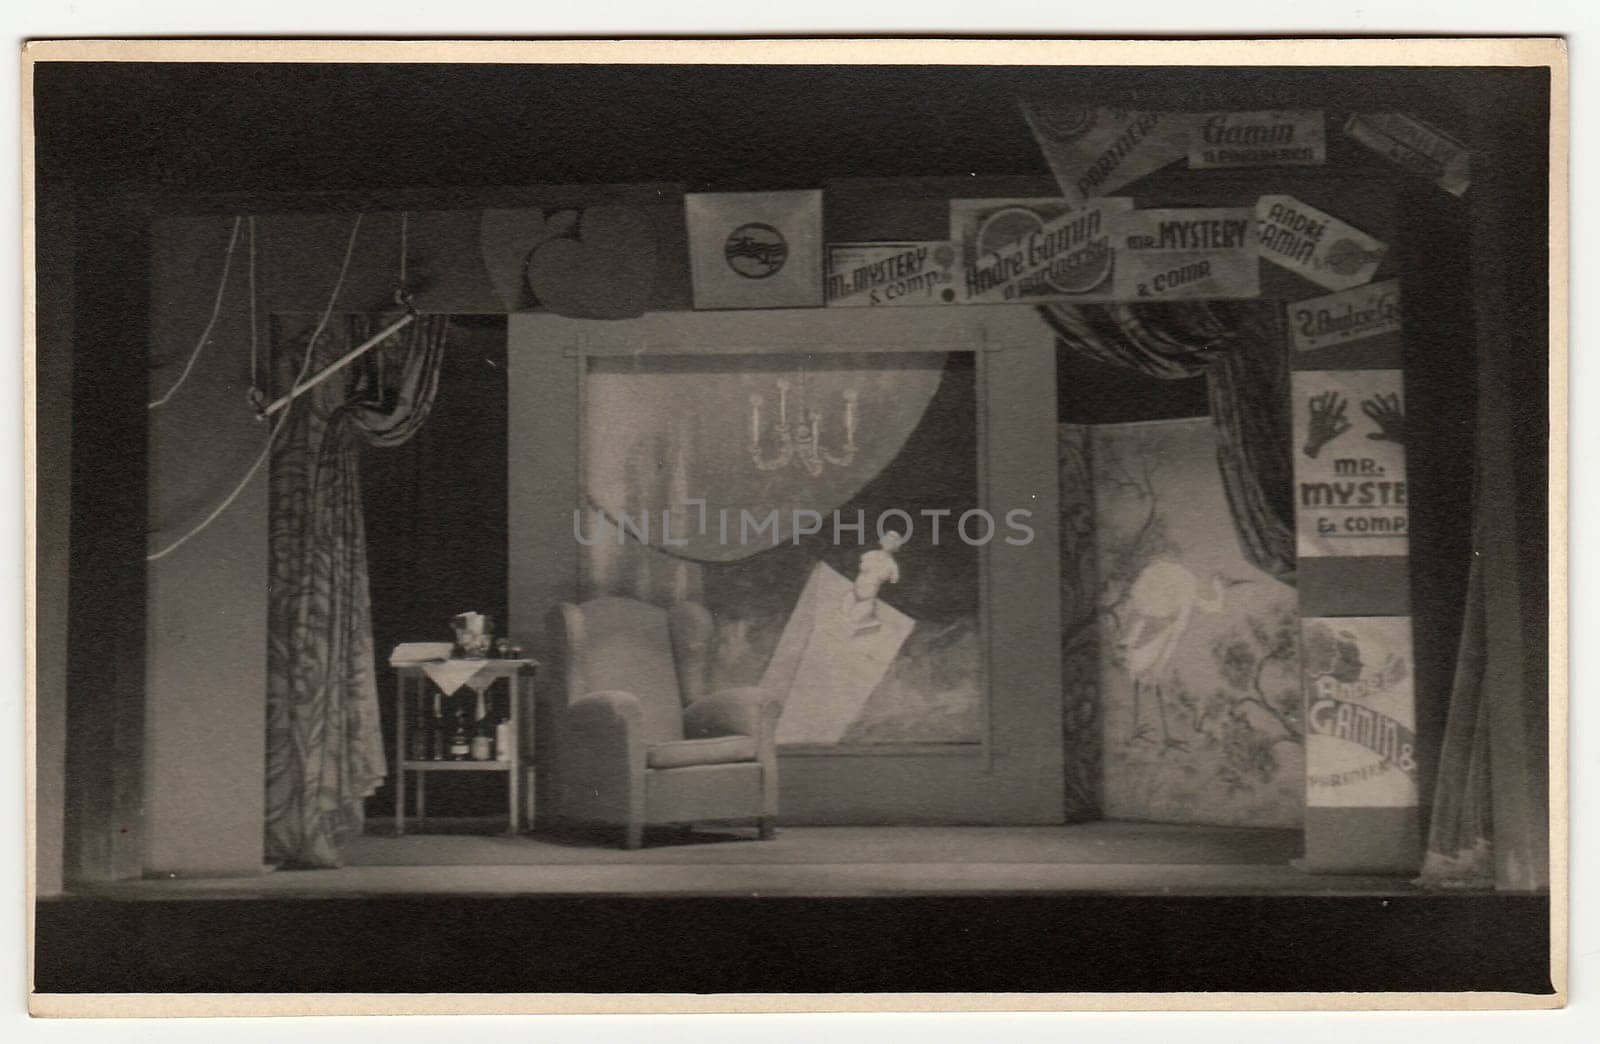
point(1200, 678)
point(1350, 464)
point(1360, 712)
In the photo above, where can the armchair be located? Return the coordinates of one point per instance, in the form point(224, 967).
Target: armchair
point(638, 741)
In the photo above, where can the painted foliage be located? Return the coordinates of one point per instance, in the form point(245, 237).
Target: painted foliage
point(1200, 712)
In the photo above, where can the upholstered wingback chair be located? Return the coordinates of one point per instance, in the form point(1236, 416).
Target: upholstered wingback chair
point(639, 741)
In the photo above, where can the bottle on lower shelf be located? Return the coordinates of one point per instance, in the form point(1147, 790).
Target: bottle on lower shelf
point(460, 746)
point(437, 735)
point(482, 741)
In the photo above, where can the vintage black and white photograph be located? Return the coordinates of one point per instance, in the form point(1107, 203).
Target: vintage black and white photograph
point(859, 518)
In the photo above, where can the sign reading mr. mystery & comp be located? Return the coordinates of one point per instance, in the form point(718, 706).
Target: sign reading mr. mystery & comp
point(1198, 252)
point(1349, 463)
point(1315, 244)
point(1360, 712)
point(1258, 139)
point(869, 274)
point(1021, 251)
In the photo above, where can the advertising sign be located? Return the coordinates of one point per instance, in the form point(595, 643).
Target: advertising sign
point(1095, 151)
point(1360, 712)
point(1316, 245)
point(1416, 146)
point(755, 249)
point(1025, 251)
point(891, 274)
point(1258, 139)
point(1203, 252)
point(1350, 315)
point(1349, 463)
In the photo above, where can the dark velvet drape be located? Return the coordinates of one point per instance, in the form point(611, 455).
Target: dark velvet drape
point(1239, 348)
point(324, 744)
point(1491, 811)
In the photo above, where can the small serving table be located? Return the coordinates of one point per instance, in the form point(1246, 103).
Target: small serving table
point(478, 675)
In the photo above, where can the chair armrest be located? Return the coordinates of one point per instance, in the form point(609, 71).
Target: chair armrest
point(744, 711)
point(603, 726)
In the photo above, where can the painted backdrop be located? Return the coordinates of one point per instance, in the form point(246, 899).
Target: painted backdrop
point(1200, 710)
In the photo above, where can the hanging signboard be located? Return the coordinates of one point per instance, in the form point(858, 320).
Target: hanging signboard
point(1350, 463)
point(1360, 712)
point(1025, 251)
point(755, 249)
point(1417, 146)
point(1095, 151)
point(1315, 244)
point(891, 274)
point(1350, 315)
point(1258, 139)
point(1201, 252)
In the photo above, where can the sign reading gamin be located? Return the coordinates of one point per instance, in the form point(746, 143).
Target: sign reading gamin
point(1316, 244)
point(1258, 139)
point(1360, 720)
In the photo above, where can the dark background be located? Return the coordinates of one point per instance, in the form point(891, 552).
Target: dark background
point(115, 142)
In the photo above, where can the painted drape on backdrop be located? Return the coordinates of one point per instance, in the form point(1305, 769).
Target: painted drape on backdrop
point(1239, 347)
point(324, 745)
point(663, 432)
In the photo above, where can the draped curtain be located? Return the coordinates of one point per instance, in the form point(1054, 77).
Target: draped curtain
point(672, 434)
point(324, 750)
point(1490, 822)
point(1238, 347)
point(1489, 827)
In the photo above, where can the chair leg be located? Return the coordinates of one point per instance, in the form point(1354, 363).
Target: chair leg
point(767, 827)
point(633, 836)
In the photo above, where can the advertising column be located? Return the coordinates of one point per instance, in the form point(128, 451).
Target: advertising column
point(1351, 521)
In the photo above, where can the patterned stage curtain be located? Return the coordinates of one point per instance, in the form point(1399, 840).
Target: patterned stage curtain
point(1239, 347)
point(324, 744)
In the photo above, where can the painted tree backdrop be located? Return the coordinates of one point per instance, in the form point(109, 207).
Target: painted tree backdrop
point(1192, 713)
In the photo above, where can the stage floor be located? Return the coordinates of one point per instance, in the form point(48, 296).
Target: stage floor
point(460, 858)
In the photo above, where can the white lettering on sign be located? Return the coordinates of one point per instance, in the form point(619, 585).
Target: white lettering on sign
point(1026, 250)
